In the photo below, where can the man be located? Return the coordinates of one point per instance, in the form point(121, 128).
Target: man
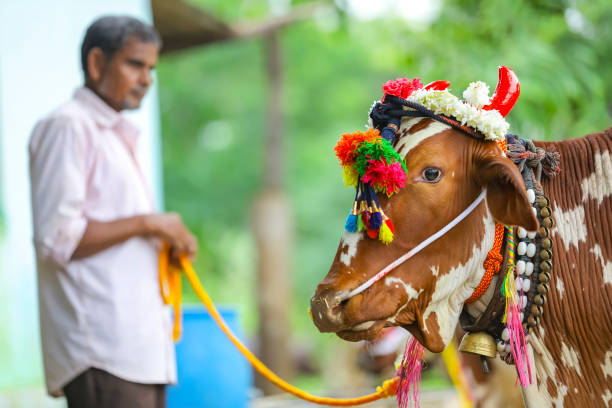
point(106, 335)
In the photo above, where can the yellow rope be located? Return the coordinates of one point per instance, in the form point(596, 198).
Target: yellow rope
point(453, 365)
point(170, 289)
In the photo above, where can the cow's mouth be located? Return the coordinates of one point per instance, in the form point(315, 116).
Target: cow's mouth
point(363, 331)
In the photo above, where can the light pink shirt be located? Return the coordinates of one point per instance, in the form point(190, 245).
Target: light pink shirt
point(105, 310)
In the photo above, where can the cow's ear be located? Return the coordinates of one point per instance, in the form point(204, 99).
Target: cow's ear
point(506, 194)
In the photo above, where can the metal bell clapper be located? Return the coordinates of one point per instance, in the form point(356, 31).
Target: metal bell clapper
point(479, 343)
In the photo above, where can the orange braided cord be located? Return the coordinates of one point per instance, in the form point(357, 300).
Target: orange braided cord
point(170, 287)
point(492, 264)
point(502, 145)
point(388, 388)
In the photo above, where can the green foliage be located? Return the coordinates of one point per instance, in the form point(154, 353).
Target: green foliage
point(213, 104)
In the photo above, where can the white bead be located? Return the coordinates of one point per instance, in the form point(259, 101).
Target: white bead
point(501, 346)
point(531, 195)
point(520, 267)
point(522, 232)
point(535, 212)
point(505, 335)
point(528, 268)
point(526, 285)
point(519, 284)
point(507, 348)
point(521, 316)
point(531, 235)
point(531, 248)
point(523, 301)
point(522, 248)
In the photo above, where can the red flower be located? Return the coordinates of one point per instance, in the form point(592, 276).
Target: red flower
point(416, 84)
point(401, 87)
point(394, 88)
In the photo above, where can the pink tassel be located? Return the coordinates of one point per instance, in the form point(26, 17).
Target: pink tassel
point(518, 346)
point(410, 375)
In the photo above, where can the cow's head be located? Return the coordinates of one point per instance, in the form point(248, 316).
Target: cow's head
point(446, 171)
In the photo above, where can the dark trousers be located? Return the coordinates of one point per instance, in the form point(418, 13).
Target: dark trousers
point(96, 388)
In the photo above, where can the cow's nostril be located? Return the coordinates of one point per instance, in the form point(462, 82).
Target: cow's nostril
point(327, 310)
point(338, 308)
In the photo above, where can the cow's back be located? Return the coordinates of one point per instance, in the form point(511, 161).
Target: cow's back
point(573, 342)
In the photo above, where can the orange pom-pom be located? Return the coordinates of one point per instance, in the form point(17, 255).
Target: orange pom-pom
point(346, 148)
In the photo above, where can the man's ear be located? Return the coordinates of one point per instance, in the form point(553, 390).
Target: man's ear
point(96, 63)
point(506, 194)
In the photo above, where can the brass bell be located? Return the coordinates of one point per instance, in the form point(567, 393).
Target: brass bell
point(545, 212)
point(548, 222)
point(479, 343)
point(543, 201)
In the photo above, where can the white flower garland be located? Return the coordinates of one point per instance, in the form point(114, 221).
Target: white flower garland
point(489, 122)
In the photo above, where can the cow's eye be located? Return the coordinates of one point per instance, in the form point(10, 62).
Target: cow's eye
point(432, 174)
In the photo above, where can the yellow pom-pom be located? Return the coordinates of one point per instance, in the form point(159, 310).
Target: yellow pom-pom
point(385, 235)
point(350, 176)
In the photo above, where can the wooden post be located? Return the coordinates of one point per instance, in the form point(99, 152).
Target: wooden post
point(273, 231)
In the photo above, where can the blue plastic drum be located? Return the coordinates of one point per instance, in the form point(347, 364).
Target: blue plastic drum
point(211, 371)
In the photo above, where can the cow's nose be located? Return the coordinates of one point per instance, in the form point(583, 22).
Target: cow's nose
point(327, 310)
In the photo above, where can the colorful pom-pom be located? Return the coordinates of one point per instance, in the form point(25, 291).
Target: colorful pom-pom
point(365, 216)
point(350, 176)
point(348, 145)
point(351, 223)
point(390, 225)
point(360, 224)
point(376, 220)
point(385, 177)
point(372, 233)
point(371, 165)
point(385, 234)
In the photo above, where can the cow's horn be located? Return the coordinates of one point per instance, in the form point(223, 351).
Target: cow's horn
point(437, 85)
point(506, 93)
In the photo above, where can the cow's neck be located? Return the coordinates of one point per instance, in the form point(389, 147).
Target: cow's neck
point(572, 347)
point(478, 307)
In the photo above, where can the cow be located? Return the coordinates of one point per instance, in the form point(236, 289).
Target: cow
point(570, 347)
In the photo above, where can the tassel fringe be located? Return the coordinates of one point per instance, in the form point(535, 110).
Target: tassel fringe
point(409, 374)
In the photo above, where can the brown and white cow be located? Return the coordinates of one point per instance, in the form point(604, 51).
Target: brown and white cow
point(571, 349)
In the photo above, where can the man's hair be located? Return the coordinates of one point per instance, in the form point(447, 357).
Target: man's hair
point(111, 33)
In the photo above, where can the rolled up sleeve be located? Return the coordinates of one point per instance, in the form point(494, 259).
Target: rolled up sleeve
point(58, 182)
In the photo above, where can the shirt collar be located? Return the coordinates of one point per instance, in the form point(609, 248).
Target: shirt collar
point(103, 115)
point(107, 117)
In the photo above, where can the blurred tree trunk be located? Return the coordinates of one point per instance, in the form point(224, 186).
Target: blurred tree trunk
point(272, 229)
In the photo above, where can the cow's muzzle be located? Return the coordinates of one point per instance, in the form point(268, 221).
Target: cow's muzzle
point(328, 310)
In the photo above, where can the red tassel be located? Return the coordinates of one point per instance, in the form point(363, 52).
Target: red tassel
point(390, 225)
point(365, 216)
point(372, 233)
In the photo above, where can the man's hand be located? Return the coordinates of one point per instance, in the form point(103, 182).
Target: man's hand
point(170, 228)
point(167, 226)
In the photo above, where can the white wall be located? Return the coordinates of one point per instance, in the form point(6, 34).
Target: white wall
point(39, 69)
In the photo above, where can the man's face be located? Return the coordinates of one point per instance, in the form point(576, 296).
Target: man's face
point(124, 80)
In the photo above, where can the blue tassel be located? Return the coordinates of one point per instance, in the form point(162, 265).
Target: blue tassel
point(376, 220)
point(351, 223)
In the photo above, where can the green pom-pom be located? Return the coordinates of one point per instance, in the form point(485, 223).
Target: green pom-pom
point(360, 225)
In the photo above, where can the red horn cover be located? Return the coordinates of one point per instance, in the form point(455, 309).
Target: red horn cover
point(506, 93)
point(437, 85)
